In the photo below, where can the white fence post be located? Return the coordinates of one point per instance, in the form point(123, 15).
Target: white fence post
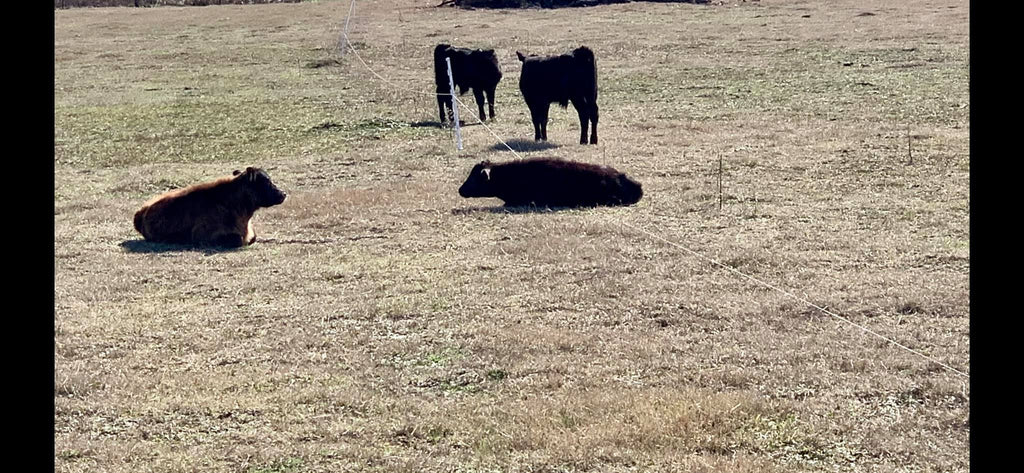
point(455, 105)
point(344, 32)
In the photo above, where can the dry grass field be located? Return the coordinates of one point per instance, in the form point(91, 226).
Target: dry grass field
point(385, 324)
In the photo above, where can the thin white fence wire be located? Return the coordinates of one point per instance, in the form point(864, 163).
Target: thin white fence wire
point(658, 237)
point(382, 78)
point(344, 35)
point(481, 122)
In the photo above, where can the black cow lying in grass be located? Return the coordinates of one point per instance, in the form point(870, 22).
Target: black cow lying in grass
point(551, 182)
point(567, 78)
point(475, 69)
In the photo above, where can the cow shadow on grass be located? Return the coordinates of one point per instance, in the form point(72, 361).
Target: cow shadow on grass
point(143, 246)
point(437, 124)
point(519, 209)
point(521, 145)
point(425, 124)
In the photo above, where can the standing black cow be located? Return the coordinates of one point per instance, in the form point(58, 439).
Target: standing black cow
point(475, 69)
point(566, 78)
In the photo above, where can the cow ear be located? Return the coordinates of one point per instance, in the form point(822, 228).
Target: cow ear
point(520, 56)
point(236, 172)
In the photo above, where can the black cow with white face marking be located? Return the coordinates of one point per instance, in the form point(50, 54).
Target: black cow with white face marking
point(551, 182)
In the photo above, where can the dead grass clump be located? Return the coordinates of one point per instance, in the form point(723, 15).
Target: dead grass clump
point(77, 385)
point(587, 428)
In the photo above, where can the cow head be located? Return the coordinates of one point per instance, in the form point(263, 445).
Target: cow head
point(478, 184)
point(584, 54)
point(264, 192)
point(487, 64)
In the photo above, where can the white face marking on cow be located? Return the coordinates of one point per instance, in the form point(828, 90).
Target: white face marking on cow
point(487, 173)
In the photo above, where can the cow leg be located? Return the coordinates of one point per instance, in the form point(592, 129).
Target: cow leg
point(535, 117)
point(440, 105)
point(224, 231)
point(250, 233)
point(479, 96)
point(583, 111)
point(490, 101)
point(544, 121)
point(593, 119)
point(228, 240)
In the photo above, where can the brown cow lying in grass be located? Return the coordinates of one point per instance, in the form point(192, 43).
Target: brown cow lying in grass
point(551, 182)
point(217, 213)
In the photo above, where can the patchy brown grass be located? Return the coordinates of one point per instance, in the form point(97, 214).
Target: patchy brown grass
point(383, 323)
point(159, 3)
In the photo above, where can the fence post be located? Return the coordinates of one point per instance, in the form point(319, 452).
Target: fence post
point(344, 31)
point(455, 105)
